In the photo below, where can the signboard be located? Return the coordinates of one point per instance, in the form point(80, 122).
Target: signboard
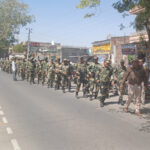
point(128, 49)
point(34, 44)
point(102, 49)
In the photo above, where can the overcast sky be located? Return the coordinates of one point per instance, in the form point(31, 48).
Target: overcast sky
point(61, 21)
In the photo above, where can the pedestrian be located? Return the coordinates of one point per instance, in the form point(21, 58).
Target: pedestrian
point(135, 76)
point(14, 69)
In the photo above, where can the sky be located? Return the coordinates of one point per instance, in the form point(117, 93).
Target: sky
point(60, 21)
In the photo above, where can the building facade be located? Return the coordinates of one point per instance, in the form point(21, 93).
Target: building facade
point(73, 53)
point(110, 48)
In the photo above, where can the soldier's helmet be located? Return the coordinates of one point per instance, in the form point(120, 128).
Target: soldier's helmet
point(121, 61)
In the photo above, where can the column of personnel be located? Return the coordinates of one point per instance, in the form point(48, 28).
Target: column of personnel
point(96, 80)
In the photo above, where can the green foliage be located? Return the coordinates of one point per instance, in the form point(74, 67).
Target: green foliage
point(19, 48)
point(13, 16)
point(88, 4)
point(142, 20)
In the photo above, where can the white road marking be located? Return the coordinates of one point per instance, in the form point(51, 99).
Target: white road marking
point(1, 113)
point(9, 130)
point(15, 144)
point(4, 120)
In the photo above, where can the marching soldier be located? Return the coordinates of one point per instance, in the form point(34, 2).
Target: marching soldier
point(43, 71)
point(94, 71)
point(81, 74)
point(64, 74)
point(32, 67)
point(58, 67)
point(39, 70)
point(104, 79)
point(118, 76)
point(51, 73)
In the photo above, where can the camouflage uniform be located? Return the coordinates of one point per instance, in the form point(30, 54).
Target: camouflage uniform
point(58, 68)
point(51, 74)
point(104, 78)
point(69, 75)
point(32, 67)
point(81, 75)
point(44, 71)
point(94, 71)
point(23, 69)
point(64, 72)
point(27, 70)
point(118, 76)
point(38, 70)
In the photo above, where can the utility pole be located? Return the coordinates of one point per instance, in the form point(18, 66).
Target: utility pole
point(28, 49)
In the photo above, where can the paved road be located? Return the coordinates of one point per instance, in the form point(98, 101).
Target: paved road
point(37, 118)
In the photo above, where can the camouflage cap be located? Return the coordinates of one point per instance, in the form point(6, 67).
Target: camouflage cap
point(122, 61)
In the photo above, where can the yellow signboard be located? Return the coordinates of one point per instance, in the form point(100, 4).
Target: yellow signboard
point(102, 49)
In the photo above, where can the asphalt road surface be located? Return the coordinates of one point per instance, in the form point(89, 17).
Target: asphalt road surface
point(33, 117)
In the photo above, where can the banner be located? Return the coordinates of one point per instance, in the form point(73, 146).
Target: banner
point(102, 49)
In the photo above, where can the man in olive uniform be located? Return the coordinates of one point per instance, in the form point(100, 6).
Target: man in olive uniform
point(32, 67)
point(118, 76)
point(70, 72)
point(43, 71)
point(58, 67)
point(39, 69)
point(104, 78)
point(94, 71)
point(111, 73)
point(64, 74)
point(81, 74)
point(27, 70)
point(51, 73)
point(23, 69)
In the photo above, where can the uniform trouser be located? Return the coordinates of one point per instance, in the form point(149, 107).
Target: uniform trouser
point(91, 85)
point(143, 93)
point(31, 76)
point(57, 80)
point(104, 90)
point(79, 82)
point(134, 92)
point(64, 81)
point(94, 87)
point(39, 77)
point(51, 77)
point(43, 76)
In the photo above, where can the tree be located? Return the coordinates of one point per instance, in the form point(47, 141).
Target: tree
point(13, 16)
point(92, 4)
point(142, 20)
point(19, 48)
